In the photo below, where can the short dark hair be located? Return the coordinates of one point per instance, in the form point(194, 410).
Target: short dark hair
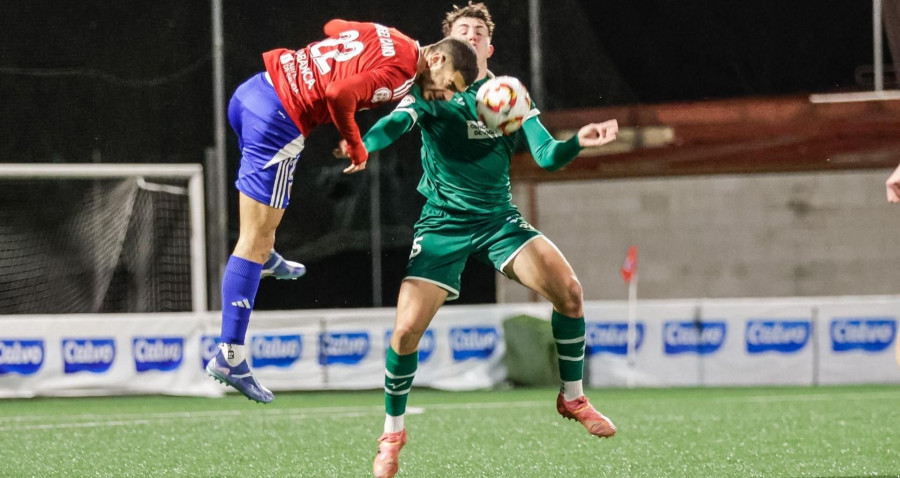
point(472, 10)
point(461, 55)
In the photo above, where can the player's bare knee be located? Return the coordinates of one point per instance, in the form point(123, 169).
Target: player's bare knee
point(255, 246)
point(569, 300)
point(405, 340)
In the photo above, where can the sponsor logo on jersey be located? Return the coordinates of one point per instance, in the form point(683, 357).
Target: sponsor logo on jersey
point(345, 348)
point(23, 357)
point(871, 334)
point(611, 338)
point(381, 95)
point(209, 347)
point(88, 355)
point(275, 350)
point(426, 344)
point(384, 37)
point(157, 353)
point(479, 130)
point(692, 337)
point(289, 65)
point(305, 72)
point(476, 343)
point(783, 336)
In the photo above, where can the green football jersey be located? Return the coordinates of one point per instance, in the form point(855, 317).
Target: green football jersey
point(466, 164)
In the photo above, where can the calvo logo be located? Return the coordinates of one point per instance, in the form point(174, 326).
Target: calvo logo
point(611, 337)
point(473, 343)
point(344, 348)
point(870, 334)
point(157, 353)
point(21, 356)
point(95, 355)
point(276, 350)
point(693, 337)
point(781, 336)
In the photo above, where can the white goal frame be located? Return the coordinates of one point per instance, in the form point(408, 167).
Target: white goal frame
point(193, 172)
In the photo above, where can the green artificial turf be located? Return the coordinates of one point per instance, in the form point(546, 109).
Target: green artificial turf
point(698, 432)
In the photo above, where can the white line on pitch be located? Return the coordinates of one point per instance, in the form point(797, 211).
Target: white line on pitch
point(120, 420)
point(156, 418)
point(356, 412)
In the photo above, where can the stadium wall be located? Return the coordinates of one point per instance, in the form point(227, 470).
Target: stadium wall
point(800, 341)
point(720, 236)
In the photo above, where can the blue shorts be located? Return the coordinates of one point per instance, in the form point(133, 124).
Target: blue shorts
point(269, 140)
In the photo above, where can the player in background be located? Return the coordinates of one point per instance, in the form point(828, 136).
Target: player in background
point(358, 66)
point(893, 195)
point(893, 186)
point(469, 212)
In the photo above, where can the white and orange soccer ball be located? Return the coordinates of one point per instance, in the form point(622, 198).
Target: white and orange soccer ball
point(502, 103)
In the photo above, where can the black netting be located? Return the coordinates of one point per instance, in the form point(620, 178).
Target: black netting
point(71, 246)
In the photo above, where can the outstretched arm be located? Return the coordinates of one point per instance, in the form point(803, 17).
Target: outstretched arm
point(893, 187)
point(552, 155)
point(382, 134)
point(344, 98)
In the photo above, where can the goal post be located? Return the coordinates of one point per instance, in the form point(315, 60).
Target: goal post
point(161, 179)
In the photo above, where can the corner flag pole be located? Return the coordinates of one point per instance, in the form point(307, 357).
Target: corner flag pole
point(629, 273)
point(632, 327)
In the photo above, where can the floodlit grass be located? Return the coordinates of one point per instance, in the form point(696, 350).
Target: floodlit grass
point(767, 432)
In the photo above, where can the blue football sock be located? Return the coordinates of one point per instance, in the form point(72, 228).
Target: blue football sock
point(239, 285)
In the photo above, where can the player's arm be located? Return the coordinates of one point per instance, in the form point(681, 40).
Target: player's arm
point(389, 128)
point(343, 98)
point(552, 154)
point(893, 189)
point(336, 26)
point(382, 134)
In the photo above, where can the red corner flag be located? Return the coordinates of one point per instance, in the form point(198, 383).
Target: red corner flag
point(629, 268)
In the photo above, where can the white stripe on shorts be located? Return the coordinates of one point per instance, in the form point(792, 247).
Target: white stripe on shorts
point(282, 181)
point(290, 150)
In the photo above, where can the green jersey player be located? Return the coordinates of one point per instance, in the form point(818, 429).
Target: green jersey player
point(469, 212)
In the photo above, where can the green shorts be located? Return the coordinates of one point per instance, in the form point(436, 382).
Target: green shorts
point(444, 241)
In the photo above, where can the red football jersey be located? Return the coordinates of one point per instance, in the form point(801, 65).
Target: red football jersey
point(358, 66)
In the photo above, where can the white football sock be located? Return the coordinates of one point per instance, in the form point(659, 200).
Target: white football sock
point(234, 353)
point(393, 424)
point(572, 390)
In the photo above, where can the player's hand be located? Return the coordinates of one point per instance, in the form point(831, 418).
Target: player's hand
point(893, 186)
point(343, 152)
point(598, 134)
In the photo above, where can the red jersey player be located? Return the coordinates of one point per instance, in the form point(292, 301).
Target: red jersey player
point(358, 66)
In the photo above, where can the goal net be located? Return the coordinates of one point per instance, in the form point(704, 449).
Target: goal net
point(80, 238)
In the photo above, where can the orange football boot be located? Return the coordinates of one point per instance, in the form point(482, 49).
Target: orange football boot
point(582, 411)
point(386, 462)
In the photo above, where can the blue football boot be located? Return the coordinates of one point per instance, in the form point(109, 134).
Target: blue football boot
point(240, 377)
point(281, 268)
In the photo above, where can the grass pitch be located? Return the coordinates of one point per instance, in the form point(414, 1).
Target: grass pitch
point(711, 432)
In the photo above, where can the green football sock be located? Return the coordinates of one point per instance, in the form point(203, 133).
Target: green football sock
point(569, 335)
point(398, 377)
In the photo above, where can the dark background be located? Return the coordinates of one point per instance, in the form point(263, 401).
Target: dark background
point(130, 82)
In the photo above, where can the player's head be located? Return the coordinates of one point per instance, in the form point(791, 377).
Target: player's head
point(450, 65)
point(473, 24)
